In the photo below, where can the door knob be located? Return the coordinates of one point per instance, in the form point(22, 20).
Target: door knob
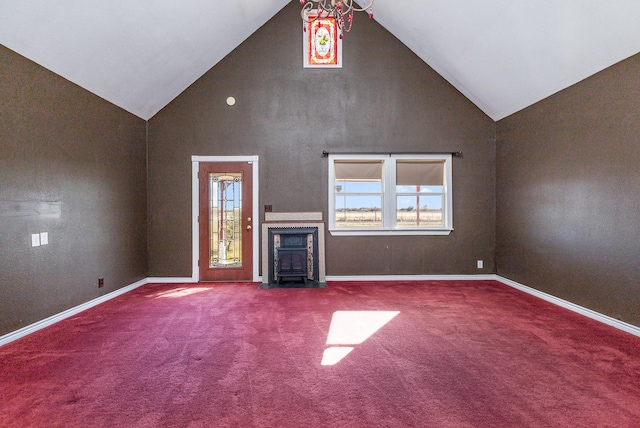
point(249, 227)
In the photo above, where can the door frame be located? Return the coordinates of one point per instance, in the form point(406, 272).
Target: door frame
point(195, 205)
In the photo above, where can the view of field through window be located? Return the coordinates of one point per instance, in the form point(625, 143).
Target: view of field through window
point(419, 194)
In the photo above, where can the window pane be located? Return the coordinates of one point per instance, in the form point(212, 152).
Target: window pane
point(419, 189)
point(419, 210)
point(358, 211)
point(343, 186)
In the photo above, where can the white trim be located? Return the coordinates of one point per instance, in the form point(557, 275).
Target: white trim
point(411, 277)
point(170, 280)
point(605, 319)
point(394, 232)
point(39, 325)
point(195, 200)
point(195, 232)
point(252, 158)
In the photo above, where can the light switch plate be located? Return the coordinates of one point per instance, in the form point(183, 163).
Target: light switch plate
point(35, 239)
point(44, 238)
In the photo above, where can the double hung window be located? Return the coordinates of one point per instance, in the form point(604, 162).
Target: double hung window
point(390, 194)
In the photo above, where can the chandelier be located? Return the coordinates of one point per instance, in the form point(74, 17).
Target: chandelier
point(340, 10)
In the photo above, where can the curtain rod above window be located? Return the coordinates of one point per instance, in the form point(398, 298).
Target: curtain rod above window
point(457, 154)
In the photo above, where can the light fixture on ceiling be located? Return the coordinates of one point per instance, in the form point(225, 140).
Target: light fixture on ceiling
point(341, 10)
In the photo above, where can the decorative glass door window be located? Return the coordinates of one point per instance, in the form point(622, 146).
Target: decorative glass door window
point(225, 220)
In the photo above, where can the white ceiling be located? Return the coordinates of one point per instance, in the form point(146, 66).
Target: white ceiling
point(504, 55)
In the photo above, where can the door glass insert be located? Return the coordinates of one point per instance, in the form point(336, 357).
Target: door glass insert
point(225, 220)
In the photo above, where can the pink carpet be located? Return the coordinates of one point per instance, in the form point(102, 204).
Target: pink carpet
point(386, 354)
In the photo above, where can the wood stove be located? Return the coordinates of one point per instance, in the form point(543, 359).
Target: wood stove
point(292, 262)
point(291, 257)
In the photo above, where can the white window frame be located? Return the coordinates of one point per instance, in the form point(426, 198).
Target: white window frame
point(389, 197)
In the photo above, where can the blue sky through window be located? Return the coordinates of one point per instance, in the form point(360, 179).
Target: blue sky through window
point(430, 196)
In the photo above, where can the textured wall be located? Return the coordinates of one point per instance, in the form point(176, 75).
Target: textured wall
point(568, 193)
point(383, 99)
point(72, 165)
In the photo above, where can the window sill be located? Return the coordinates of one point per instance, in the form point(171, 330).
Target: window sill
point(394, 232)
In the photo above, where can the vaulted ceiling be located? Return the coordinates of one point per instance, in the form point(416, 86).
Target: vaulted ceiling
point(503, 55)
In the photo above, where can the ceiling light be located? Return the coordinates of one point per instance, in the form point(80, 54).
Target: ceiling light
point(341, 10)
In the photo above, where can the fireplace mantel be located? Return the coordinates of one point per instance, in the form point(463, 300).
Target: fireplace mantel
point(292, 220)
point(302, 216)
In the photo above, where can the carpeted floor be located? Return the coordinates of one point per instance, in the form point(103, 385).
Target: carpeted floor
point(387, 354)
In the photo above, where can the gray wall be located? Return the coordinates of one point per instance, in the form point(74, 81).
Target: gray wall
point(383, 99)
point(568, 193)
point(61, 146)
point(564, 172)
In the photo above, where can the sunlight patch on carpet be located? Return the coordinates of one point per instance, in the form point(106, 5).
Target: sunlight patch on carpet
point(352, 328)
point(182, 292)
point(333, 355)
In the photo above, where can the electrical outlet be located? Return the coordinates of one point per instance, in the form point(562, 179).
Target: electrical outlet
point(268, 208)
point(480, 264)
point(100, 282)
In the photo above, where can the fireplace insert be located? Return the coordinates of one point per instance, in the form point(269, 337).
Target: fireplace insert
point(292, 263)
point(293, 253)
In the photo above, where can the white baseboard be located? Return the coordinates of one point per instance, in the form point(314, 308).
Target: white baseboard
point(24, 331)
point(621, 325)
point(170, 280)
point(411, 277)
